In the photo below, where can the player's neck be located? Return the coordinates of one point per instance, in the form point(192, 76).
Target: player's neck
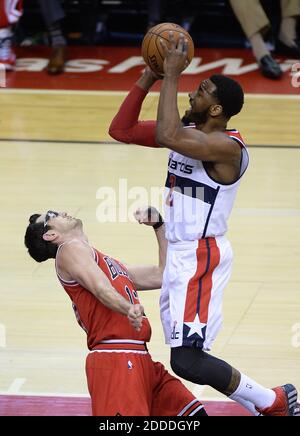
point(74, 234)
point(212, 125)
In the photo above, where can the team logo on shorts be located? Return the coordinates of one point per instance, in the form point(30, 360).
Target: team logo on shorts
point(174, 333)
point(194, 331)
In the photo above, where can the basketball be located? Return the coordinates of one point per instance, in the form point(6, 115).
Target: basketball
point(151, 49)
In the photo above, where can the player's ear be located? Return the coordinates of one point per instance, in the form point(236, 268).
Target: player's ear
point(216, 110)
point(50, 235)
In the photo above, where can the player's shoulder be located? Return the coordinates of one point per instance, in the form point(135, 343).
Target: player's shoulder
point(235, 135)
point(75, 247)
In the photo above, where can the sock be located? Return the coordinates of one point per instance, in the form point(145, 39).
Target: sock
point(251, 391)
point(57, 38)
point(259, 47)
point(247, 404)
point(288, 32)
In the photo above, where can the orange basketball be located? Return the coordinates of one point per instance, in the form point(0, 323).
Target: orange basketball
point(151, 48)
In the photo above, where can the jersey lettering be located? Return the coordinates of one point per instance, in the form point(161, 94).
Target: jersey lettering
point(181, 166)
point(132, 295)
point(114, 268)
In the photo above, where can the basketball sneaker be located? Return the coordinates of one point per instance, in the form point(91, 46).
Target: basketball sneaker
point(285, 403)
point(7, 55)
point(296, 411)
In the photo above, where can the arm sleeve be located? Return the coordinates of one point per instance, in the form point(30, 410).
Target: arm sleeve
point(125, 127)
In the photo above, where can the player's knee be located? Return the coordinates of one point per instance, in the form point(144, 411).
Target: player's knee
point(180, 362)
point(178, 368)
point(187, 363)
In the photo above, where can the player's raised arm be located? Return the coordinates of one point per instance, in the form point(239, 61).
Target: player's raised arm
point(147, 277)
point(77, 261)
point(126, 126)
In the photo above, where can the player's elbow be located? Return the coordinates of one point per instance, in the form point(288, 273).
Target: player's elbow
point(165, 137)
point(162, 139)
point(118, 135)
point(158, 278)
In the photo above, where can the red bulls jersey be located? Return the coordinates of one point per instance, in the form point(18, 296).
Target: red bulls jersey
point(98, 321)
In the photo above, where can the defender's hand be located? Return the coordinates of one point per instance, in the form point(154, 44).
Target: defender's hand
point(147, 215)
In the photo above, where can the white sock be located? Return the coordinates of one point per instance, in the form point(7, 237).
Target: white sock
point(251, 391)
point(247, 404)
point(259, 47)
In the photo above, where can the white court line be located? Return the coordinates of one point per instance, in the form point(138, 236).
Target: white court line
point(123, 93)
point(16, 385)
point(63, 395)
point(2, 336)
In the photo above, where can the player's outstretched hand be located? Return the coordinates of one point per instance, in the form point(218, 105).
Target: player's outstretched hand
point(147, 215)
point(135, 316)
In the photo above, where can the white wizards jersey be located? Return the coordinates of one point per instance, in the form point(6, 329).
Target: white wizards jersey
point(196, 206)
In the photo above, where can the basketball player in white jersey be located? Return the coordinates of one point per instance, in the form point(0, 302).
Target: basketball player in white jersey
point(205, 167)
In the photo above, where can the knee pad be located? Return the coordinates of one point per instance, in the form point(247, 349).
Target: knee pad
point(194, 365)
point(184, 360)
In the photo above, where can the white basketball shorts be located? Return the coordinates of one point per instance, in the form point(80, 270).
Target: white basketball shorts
point(195, 277)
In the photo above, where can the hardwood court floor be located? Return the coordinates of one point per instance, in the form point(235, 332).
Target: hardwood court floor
point(55, 152)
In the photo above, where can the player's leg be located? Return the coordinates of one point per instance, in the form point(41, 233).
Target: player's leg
point(195, 365)
point(196, 318)
point(117, 385)
point(171, 397)
point(195, 277)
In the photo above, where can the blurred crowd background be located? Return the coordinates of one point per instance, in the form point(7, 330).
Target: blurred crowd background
point(264, 25)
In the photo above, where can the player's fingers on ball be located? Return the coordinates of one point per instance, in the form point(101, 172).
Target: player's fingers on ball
point(163, 46)
point(180, 43)
point(172, 40)
point(185, 46)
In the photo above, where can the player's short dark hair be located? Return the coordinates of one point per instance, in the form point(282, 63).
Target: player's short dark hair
point(39, 249)
point(229, 93)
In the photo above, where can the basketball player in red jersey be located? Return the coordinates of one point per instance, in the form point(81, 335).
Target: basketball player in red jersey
point(206, 164)
point(122, 378)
